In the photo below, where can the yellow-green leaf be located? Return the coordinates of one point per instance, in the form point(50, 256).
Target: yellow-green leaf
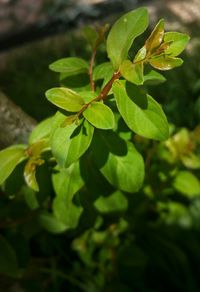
point(9, 159)
point(100, 116)
point(70, 66)
point(132, 72)
point(165, 63)
point(156, 37)
point(65, 98)
point(123, 33)
point(178, 42)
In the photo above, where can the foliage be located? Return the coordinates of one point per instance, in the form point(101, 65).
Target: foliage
point(95, 180)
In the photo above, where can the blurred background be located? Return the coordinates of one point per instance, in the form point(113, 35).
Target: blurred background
point(161, 250)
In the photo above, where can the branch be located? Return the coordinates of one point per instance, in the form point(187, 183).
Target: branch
point(15, 124)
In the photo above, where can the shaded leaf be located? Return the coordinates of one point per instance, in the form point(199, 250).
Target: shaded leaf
point(153, 77)
point(187, 183)
point(51, 223)
point(9, 159)
point(8, 258)
point(67, 182)
point(103, 71)
point(65, 98)
point(116, 202)
point(100, 116)
point(140, 111)
point(119, 162)
point(123, 33)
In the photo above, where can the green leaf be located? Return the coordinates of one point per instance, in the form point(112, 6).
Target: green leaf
point(187, 183)
point(51, 223)
point(67, 182)
point(9, 159)
point(156, 37)
point(65, 98)
point(119, 162)
point(100, 116)
point(70, 143)
point(165, 63)
point(116, 202)
point(140, 111)
point(42, 130)
point(103, 71)
point(153, 77)
point(90, 34)
point(8, 258)
point(70, 66)
point(123, 33)
point(178, 42)
point(132, 72)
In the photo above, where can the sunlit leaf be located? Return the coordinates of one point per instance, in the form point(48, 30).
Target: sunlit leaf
point(132, 72)
point(103, 71)
point(65, 98)
point(70, 143)
point(100, 116)
point(156, 37)
point(165, 63)
point(70, 66)
point(140, 111)
point(30, 172)
point(123, 33)
point(9, 159)
point(42, 130)
point(178, 42)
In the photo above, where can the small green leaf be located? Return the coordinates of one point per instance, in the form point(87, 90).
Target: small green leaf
point(42, 130)
point(132, 72)
point(153, 77)
point(156, 37)
point(178, 42)
point(123, 33)
point(187, 183)
point(69, 120)
point(67, 182)
point(140, 111)
point(100, 116)
point(70, 66)
point(90, 34)
point(116, 202)
point(70, 143)
point(141, 54)
point(119, 162)
point(165, 63)
point(103, 71)
point(8, 258)
point(51, 223)
point(65, 98)
point(9, 159)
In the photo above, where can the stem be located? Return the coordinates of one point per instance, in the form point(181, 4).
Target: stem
point(92, 85)
point(103, 94)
